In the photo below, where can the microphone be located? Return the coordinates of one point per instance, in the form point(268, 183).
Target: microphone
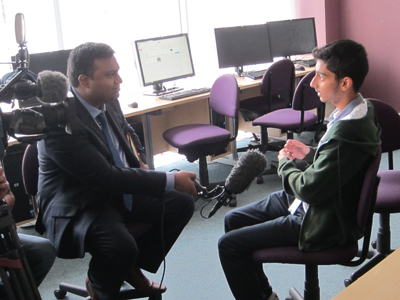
point(250, 165)
point(20, 29)
point(52, 87)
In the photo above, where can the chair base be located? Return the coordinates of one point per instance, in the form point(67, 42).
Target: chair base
point(124, 294)
point(382, 246)
point(311, 286)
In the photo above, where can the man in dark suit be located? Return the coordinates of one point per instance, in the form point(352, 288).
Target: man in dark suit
point(90, 188)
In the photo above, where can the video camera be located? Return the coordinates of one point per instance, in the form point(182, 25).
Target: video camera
point(51, 88)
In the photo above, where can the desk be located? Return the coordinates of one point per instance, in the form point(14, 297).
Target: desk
point(158, 115)
point(381, 282)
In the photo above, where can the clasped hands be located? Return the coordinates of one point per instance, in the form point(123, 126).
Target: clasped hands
point(294, 149)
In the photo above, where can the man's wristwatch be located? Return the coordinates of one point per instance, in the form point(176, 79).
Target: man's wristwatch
point(3, 202)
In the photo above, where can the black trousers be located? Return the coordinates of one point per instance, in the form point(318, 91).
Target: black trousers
point(115, 252)
point(259, 225)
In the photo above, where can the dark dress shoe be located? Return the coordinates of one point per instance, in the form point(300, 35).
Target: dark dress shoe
point(90, 291)
point(140, 282)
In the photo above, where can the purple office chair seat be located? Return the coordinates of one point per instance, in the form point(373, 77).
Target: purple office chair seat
point(30, 174)
point(343, 255)
point(290, 117)
point(388, 197)
point(197, 141)
point(192, 135)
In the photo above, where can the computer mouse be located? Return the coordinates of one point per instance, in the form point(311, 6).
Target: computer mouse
point(133, 105)
point(299, 68)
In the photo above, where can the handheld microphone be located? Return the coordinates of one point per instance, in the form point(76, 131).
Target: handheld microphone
point(250, 165)
point(20, 29)
point(52, 87)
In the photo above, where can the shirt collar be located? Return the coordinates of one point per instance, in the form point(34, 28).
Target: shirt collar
point(93, 111)
point(348, 109)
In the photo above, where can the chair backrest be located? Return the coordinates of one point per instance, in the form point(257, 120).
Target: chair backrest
point(224, 101)
point(368, 192)
point(278, 80)
point(224, 96)
point(30, 169)
point(389, 120)
point(305, 97)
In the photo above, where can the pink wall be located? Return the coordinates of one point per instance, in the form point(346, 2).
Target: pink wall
point(376, 25)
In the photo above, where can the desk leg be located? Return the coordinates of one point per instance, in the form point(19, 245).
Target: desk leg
point(148, 142)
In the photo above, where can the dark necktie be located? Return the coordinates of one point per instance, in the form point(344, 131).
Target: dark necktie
point(117, 159)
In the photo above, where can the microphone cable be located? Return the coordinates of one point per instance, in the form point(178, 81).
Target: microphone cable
point(163, 244)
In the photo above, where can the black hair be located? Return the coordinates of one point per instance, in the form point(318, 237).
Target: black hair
point(81, 60)
point(345, 58)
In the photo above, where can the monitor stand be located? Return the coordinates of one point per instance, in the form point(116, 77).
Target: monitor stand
point(159, 90)
point(239, 71)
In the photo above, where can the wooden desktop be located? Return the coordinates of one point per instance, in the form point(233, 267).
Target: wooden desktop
point(381, 282)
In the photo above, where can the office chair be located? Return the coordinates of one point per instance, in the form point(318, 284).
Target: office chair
point(388, 197)
point(277, 86)
point(197, 141)
point(295, 119)
point(343, 255)
point(30, 174)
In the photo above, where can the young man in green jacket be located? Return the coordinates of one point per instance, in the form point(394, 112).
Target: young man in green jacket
point(317, 208)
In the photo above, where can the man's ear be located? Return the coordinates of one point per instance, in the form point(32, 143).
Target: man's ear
point(346, 83)
point(84, 80)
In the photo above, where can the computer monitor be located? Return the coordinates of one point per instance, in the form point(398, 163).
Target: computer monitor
point(242, 45)
point(292, 37)
point(52, 61)
point(164, 59)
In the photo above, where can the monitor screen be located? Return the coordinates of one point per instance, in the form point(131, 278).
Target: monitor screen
point(242, 45)
point(52, 61)
point(164, 59)
point(292, 37)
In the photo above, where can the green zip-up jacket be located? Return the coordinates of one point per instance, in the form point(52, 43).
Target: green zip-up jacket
point(332, 183)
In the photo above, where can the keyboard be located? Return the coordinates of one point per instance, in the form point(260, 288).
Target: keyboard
point(185, 93)
point(307, 63)
point(254, 74)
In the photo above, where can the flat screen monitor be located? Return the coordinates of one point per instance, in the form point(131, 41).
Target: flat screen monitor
point(292, 37)
point(164, 59)
point(242, 45)
point(52, 61)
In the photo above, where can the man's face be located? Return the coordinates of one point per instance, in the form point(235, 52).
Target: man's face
point(325, 84)
point(104, 87)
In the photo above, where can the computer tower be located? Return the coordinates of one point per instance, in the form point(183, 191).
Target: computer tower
point(24, 209)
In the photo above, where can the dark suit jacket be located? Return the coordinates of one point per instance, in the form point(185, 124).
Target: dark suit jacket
point(77, 178)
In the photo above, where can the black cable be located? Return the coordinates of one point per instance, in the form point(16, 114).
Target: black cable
point(162, 243)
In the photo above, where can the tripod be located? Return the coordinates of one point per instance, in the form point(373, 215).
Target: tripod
point(15, 273)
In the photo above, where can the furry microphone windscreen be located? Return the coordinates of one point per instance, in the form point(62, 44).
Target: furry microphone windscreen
point(250, 165)
point(53, 87)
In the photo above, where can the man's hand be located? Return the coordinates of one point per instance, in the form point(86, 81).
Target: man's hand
point(294, 149)
point(184, 183)
point(143, 166)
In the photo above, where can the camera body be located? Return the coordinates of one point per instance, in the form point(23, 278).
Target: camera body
point(33, 123)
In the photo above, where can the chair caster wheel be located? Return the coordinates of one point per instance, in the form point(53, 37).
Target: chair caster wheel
point(233, 203)
point(260, 180)
point(373, 244)
point(156, 297)
point(347, 282)
point(60, 294)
